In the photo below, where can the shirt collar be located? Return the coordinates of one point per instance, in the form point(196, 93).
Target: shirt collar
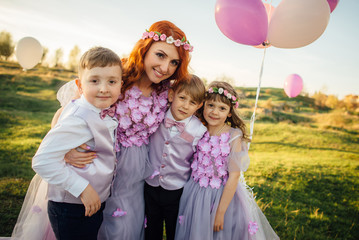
point(84, 103)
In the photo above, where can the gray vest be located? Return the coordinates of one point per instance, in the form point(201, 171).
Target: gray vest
point(100, 172)
point(171, 157)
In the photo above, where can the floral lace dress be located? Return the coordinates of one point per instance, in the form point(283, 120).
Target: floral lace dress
point(216, 156)
point(139, 117)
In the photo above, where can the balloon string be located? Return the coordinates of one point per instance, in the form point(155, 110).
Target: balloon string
point(255, 105)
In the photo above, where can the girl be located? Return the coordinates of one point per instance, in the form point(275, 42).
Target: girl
point(214, 203)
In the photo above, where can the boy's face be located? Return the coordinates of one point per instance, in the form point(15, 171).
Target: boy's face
point(183, 106)
point(101, 86)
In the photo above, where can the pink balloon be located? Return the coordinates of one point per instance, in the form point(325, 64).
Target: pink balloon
point(332, 4)
point(243, 21)
point(297, 23)
point(269, 9)
point(293, 85)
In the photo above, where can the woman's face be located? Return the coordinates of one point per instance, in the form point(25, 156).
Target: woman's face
point(161, 61)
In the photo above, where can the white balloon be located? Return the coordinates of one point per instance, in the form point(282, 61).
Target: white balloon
point(28, 52)
point(297, 23)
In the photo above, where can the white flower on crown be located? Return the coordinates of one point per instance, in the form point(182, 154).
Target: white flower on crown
point(170, 40)
point(229, 96)
point(220, 90)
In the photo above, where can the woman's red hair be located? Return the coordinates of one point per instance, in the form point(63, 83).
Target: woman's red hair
point(133, 66)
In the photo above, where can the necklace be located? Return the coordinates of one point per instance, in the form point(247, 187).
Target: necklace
point(220, 130)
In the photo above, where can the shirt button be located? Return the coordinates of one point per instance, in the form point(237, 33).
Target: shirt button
point(167, 142)
point(164, 155)
point(162, 166)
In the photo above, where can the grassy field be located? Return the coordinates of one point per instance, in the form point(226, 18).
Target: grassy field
point(304, 169)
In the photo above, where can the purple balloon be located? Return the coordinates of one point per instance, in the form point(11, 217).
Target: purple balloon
point(243, 21)
point(332, 4)
point(293, 85)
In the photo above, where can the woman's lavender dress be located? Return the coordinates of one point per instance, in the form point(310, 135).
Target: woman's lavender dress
point(216, 156)
point(139, 117)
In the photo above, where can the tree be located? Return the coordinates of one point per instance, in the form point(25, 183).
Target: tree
point(74, 58)
point(332, 102)
point(6, 45)
point(351, 102)
point(320, 99)
point(44, 53)
point(58, 57)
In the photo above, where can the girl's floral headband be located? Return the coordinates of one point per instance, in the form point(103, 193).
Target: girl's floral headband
point(156, 36)
point(224, 92)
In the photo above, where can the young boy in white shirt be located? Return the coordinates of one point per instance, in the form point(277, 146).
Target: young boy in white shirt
point(171, 149)
point(77, 195)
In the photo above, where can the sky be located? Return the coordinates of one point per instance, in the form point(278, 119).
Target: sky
point(330, 64)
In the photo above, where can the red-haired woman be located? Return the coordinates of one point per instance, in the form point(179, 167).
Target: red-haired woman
point(161, 55)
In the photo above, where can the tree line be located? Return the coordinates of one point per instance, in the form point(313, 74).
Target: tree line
point(7, 50)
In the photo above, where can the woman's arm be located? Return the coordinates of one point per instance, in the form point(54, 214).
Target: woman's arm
point(80, 159)
point(226, 198)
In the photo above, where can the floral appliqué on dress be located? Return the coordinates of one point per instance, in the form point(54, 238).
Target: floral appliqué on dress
point(139, 116)
point(209, 167)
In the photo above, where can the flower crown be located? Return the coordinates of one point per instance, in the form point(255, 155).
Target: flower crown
point(156, 36)
point(224, 92)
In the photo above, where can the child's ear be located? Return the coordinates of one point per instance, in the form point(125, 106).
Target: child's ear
point(78, 83)
point(171, 95)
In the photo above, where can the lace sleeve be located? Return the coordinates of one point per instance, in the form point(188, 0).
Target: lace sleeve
point(67, 92)
point(238, 157)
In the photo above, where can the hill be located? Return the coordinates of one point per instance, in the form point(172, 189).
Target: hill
point(304, 160)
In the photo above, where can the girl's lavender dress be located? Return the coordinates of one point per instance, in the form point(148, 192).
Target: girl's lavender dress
point(139, 117)
point(216, 156)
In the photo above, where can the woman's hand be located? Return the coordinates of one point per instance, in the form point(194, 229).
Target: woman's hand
point(80, 159)
point(218, 222)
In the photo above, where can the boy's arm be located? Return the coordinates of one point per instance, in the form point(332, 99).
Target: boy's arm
point(49, 162)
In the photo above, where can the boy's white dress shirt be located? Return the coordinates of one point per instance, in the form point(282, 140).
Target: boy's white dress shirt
point(70, 132)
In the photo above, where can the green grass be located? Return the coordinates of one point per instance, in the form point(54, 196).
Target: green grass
point(304, 169)
point(306, 180)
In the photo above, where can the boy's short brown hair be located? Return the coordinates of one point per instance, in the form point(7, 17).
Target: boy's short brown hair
point(98, 57)
point(193, 86)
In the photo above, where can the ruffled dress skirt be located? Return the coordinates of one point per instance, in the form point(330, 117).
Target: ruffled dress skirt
point(33, 222)
point(124, 214)
point(198, 208)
